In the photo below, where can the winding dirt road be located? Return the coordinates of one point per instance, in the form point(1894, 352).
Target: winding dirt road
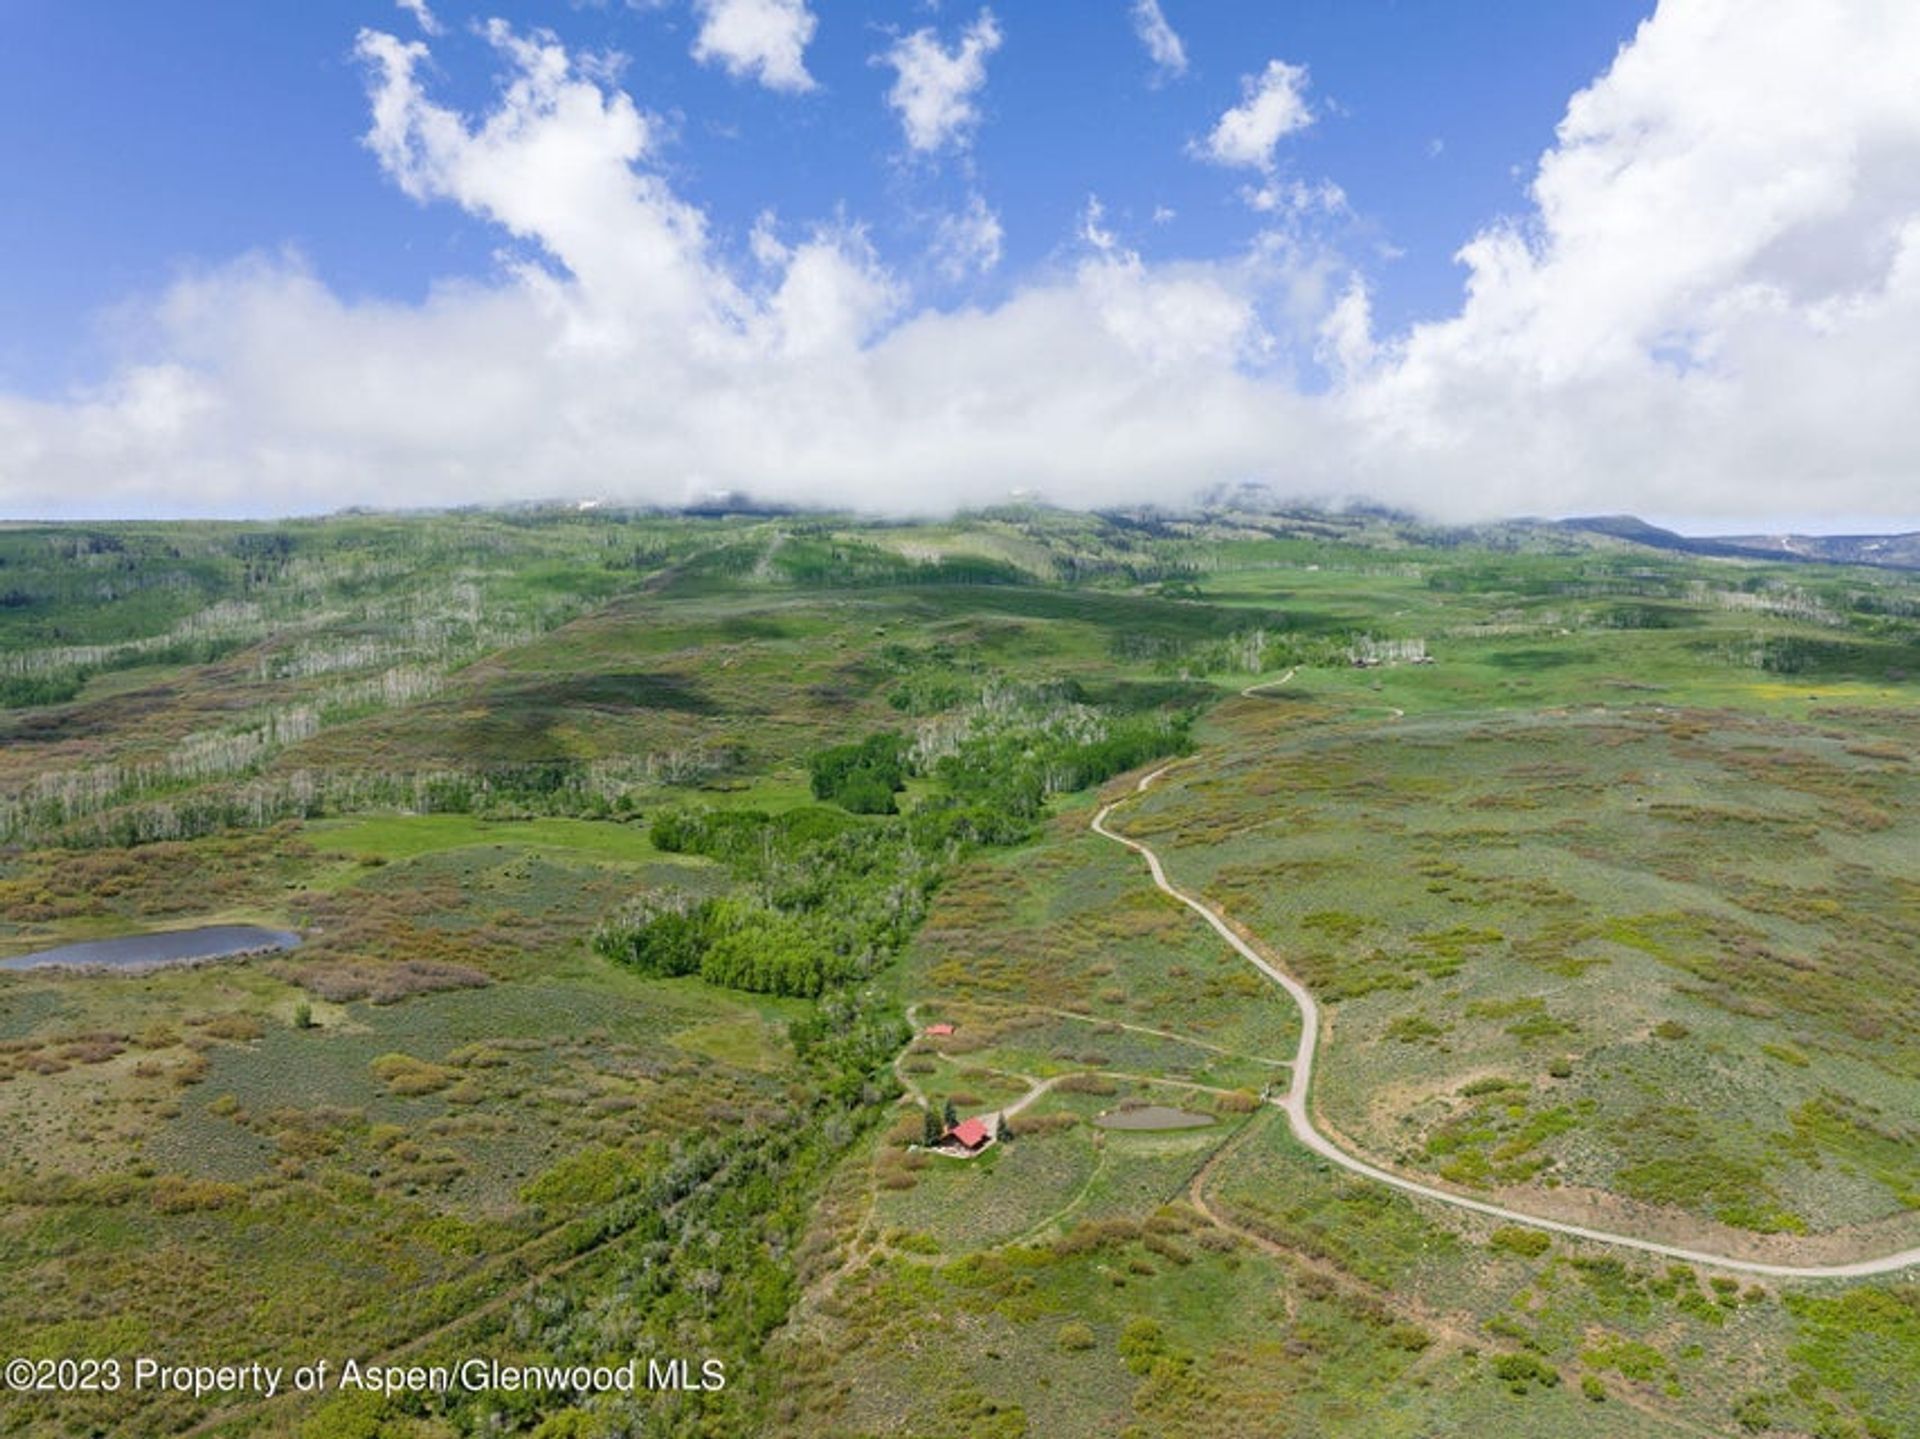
point(1300, 1117)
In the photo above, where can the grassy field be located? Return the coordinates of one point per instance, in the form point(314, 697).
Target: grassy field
point(1056, 955)
point(1660, 955)
point(390, 837)
point(1603, 862)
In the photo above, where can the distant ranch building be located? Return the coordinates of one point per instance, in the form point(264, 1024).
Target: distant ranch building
point(971, 1135)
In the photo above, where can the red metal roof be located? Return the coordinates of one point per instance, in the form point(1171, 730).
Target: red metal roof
point(939, 1029)
point(971, 1133)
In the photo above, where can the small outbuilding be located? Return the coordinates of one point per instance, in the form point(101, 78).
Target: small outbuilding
point(971, 1135)
point(939, 1031)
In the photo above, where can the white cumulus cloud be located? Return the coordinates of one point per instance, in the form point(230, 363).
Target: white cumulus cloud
point(766, 39)
point(1163, 44)
point(1711, 307)
point(934, 87)
point(1273, 105)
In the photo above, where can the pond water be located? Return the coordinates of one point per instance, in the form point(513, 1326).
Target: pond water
point(133, 952)
point(1152, 1116)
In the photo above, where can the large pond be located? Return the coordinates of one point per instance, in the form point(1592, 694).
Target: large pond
point(133, 952)
point(1152, 1116)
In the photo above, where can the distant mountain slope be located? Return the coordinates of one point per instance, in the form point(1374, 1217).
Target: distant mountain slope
point(1886, 551)
point(1893, 551)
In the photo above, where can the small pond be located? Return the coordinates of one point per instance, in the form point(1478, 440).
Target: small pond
point(1152, 1116)
point(135, 952)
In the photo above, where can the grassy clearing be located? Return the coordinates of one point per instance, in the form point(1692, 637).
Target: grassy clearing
point(1066, 925)
point(391, 837)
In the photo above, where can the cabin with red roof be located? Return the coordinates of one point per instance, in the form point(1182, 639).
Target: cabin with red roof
point(939, 1031)
point(970, 1134)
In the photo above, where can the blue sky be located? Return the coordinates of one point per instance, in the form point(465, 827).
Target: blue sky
point(168, 168)
point(209, 129)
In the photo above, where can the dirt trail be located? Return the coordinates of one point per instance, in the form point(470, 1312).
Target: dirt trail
point(1251, 690)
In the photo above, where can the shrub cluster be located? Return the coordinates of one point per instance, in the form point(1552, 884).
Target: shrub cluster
point(862, 777)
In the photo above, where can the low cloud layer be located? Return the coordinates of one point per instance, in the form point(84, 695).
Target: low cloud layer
point(1708, 308)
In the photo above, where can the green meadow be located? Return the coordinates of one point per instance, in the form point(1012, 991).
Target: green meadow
point(391, 837)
